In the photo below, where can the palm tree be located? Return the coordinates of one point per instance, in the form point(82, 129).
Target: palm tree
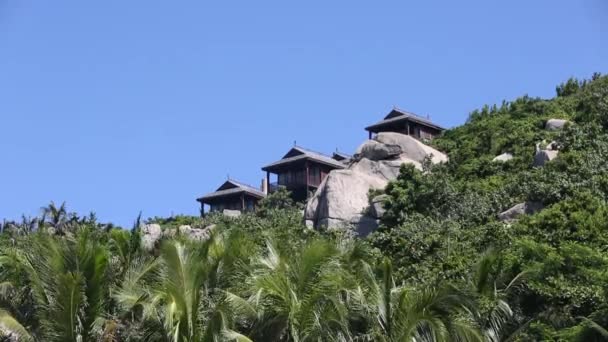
point(175, 297)
point(65, 280)
point(402, 314)
point(300, 295)
point(56, 217)
point(492, 288)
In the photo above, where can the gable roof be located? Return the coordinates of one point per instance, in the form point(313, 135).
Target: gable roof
point(397, 115)
point(340, 156)
point(297, 153)
point(232, 187)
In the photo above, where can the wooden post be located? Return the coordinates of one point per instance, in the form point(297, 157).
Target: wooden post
point(370, 135)
point(408, 127)
point(242, 202)
point(202, 209)
point(268, 182)
point(307, 178)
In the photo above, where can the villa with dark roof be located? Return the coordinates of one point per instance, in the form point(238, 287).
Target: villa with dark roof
point(232, 195)
point(403, 122)
point(301, 171)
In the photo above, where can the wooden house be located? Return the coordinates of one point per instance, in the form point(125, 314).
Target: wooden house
point(400, 121)
point(232, 195)
point(300, 171)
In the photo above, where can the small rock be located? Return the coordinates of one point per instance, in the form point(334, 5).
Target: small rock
point(544, 156)
point(517, 210)
point(150, 235)
point(195, 233)
point(377, 206)
point(555, 124)
point(231, 213)
point(503, 157)
point(552, 146)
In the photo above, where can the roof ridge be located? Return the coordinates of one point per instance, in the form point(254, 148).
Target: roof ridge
point(306, 149)
point(239, 183)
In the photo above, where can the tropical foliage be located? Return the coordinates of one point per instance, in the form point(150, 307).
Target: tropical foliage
point(442, 266)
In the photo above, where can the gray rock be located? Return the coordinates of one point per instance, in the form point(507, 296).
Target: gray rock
point(231, 213)
point(555, 124)
point(342, 195)
point(385, 169)
point(374, 150)
point(309, 223)
point(552, 146)
point(541, 157)
point(195, 233)
point(150, 235)
point(377, 206)
point(526, 208)
point(503, 157)
point(341, 201)
point(411, 148)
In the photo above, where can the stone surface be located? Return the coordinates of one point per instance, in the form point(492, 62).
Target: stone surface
point(341, 200)
point(377, 206)
point(555, 124)
point(342, 195)
point(150, 235)
point(552, 146)
point(411, 148)
point(231, 213)
point(541, 157)
point(517, 210)
point(196, 233)
point(385, 169)
point(503, 157)
point(374, 150)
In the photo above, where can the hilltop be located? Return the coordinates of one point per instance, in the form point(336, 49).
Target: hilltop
point(505, 236)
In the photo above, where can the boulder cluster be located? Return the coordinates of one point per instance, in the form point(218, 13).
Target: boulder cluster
point(342, 199)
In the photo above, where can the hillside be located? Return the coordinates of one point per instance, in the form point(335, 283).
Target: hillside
point(451, 260)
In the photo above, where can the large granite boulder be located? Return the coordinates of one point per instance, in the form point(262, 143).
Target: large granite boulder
point(526, 208)
point(374, 150)
point(150, 235)
point(503, 157)
point(555, 124)
point(411, 148)
point(342, 196)
point(341, 201)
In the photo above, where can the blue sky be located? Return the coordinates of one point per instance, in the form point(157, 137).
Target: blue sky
point(122, 106)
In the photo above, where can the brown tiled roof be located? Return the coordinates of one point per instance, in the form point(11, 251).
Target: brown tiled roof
point(397, 115)
point(306, 154)
point(237, 188)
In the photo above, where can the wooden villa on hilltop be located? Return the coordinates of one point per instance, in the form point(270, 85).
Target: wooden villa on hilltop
point(232, 195)
point(400, 121)
point(301, 171)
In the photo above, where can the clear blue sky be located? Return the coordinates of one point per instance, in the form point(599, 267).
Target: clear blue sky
point(121, 106)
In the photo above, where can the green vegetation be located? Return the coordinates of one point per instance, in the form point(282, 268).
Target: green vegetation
point(442, 267)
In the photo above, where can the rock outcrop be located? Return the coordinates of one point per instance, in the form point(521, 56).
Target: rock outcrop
point(377, 206)
point(555, 124)
point(150, 235)
point(543, 156)
point(342, 198)
point(526, 208)
point(374, 150)
point(231, 213)
point(503, 157)
point(196, 233)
